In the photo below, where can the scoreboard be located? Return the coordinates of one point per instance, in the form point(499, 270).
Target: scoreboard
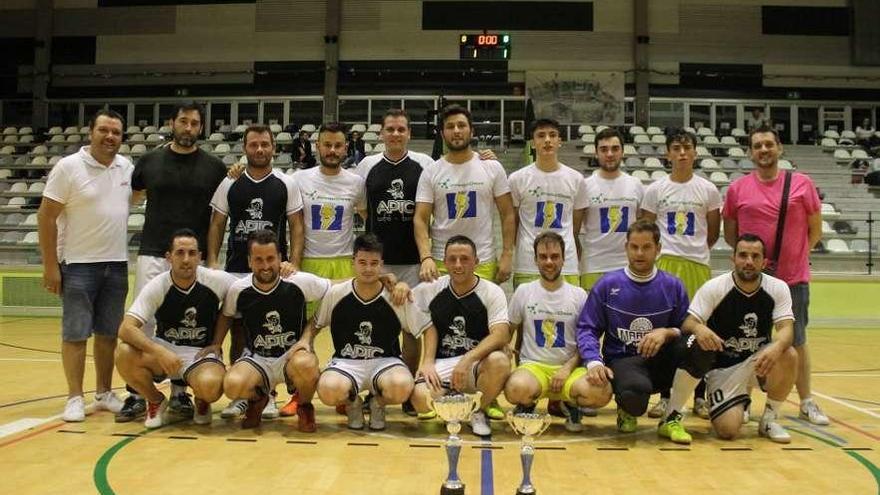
point(484, 46)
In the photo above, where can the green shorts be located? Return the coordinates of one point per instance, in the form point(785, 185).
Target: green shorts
point(335, 269)
point(588, 280)
point(524, 278)
point(544, 373)
point(484, 270)
point(691, 273)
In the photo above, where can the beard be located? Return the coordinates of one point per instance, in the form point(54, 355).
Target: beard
point(184, 140)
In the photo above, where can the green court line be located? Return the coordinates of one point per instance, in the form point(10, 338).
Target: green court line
point(100, 474)
point(871, 467)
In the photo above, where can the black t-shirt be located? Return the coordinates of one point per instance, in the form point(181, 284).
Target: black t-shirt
point(179, 190)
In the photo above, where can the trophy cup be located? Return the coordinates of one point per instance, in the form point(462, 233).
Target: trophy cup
point(453, 409)
point(529, 425)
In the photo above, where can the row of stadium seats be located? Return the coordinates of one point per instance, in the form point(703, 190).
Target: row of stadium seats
point(648, 150)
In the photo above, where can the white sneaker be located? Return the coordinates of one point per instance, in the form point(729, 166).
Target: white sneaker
point(480, 424)
point(202, 414)
point(235, 409)
point(355, 412)
point(768, 427)
point(108, 401)
point(747, 415)
point(74, 410)
point(377, 414)
point(157, 414)
point(811, 412)
point(659, 409)
point(271, 410)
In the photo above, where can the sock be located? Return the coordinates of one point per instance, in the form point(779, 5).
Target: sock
point(682, 387)
point(806, 401)
point(772, 408)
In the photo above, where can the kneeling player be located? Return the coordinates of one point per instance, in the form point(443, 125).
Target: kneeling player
point(731, 321)
point(463, 349)
point(546, 312)
point(365, 327)
point(273, 312)
point(184, 301)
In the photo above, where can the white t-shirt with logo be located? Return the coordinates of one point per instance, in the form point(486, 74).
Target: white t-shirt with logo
point(681, 210)
point(613, 207)
point(547, 321)
point(463, 196)
point(546, 201)
point(329, 205)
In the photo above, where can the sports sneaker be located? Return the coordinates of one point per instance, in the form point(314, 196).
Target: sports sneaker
point(589, 412)
point(74, 410)
point(290, 408)
point(355, 411)
point(181, 404)
point(133, 407)
point(768, 427)
point(202, 413)
point(524, 409)
point(253, 415)
point(674, 430)
point(409, 409)
point(340, 410)
point(494, 411)
point(747, 416)
point(554, 408)
point(811, 412)
point(156, 414)
point(480, 424)
point(271, 410)
point(108, 401)
point(306, 418)
point(235, 409)
point(659, 409)
point(426, 416)
point(701, 408)
point(625, 422)
point(377, 414)
point(572, 418)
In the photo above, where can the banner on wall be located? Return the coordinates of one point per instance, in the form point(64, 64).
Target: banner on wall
point(577, 96)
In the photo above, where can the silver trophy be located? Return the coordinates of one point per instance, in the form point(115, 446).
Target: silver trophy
point(529, 425)
point(453, 409)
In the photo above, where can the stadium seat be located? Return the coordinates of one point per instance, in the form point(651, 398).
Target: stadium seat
point(31, 238)
point(641, 175)
point(137, 138)
point(629, 150)
point(229, 159)
point(636, 130)
point(828, 144)
point(837, 246)
point(25, 131)
point(719, 178)
point(54, 131)
point(124, 149)
point(133, 129)
point(633, 162)
point(654, 130)
point(84, 130)
point(138, 149)
point(40, 150)
point(216, 137)
point(842, 156)
point(136, 220)
point(588, 138)
point(283, 138)
point(275, 128)
point(601, 128)
point(240, 128)
point(283, 159)
point(361, 128)
point(5, 173)
point(379, 148)
point(711, 140)
point(30, 221)
point(831, 133)
point(368, 148)
point(728, 140)
point(585, 129)
point(40, 161)
point(736, 153)
point(370, 137)
point(828, 211)
point(377, 128)
point(703, 152)
point(310, 128)
point(641, 139)
point(859, 246)
point(238, 148)
point(859, 154)
point(165, 130)
point(155, 138)
point(658, 139)
point(14, 219)
point(206, 147)
point(826, 228)
point(71, 130)
point(222, 148)
point(17, 202)
point(7, 150)
point(746, 164)
point(848, 135)
point(785, 165)
point(36, 187)
point(10, 130)
point(690, 129)
point(658, 174)
point(225, 129)
point(705, 132)
point(652, 162)
point(57, 138)
point(736, 133)
point(708, 164)
point(19, 187)
point(727, 164)
point(589, 149)
point(646, 150)
point(11, 139)
point(26, 139)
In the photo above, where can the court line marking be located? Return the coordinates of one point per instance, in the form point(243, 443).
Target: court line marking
point(847, 375)
point(871, 467)
point(34, 433)
point(847, 404)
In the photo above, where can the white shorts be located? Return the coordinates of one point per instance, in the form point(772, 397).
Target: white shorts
point(406, 273)
point(271, 369)
point(148, 267)
point(729, 387)
point(363, 373)
point(444, 367)
point(187, 355)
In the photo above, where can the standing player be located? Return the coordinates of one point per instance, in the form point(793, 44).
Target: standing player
point(687, 208)
point(548, 196)
point(731, 320)
point(330, 195)
point(365, 327)
point(637, 312)
point(464, 348)
point(545, 312)
point(459, 192)
point(614, 199)
point(261, 198)
point(184, 302)
point(178, 181)
point(273, 311)
point(753, 205)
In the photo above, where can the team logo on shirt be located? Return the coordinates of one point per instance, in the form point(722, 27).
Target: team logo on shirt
point(614, 219)
point(750, 325)
point(638, 328)
point(188, 331)
point(462, 204)
point(364, 349)
point(751, 342)
point(365, 332)
point(680, 223)
point(397, 204)
point(550, 333)
point(549, 215)
point(396, 189)
point(273, 322)
point(256, 208)
point(458, 338)
point(327, 216)
point(256, 222)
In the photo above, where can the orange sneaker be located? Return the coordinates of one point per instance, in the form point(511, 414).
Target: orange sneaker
point(306, 418)
point(340, 410)
point(289, 409)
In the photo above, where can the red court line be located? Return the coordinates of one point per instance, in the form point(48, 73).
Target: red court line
point(42, 429)
point(845, 425)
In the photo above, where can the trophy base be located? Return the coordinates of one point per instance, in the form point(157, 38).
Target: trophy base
point(527, 491)
point(445, 490)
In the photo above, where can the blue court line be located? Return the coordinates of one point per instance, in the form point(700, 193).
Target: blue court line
point(487, 478)
point(821, 431)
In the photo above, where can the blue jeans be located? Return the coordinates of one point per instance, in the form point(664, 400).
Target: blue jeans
point(92, 299)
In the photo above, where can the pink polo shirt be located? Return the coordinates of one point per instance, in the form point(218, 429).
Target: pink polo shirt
point(754, 204)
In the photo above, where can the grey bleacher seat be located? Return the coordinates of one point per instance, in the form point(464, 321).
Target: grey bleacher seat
point(633, 162)
point(658, 174)
point(842, 156)
point(31, 238)
point(746, 164)
point(711, 140)
point(238, 148)
point(728, 140)
point(54, 159)
point(652, 162)
point(71, 149)
point(719, 178)
point(709, 164)
point(785, 165)
point(7, 150)
point(654, 130)
point(658, 139)
point(736, 132)
point(225, 129)
point(283, 159)
point(206, 147)
point(275, 128)
point(705, 132)
point(370, 137)
point(736, 153)
point(72, 129)
point(859, 246)
point(588, 138)
point(641, 139)
point(589, 149)
point(10, 130)
point(837, 246)
point(155, 138)
point(379, 148)
point(58, 138)
point(727, 163)
point(641, 175)
point(646, 150)
point(166, 130)
point(735, 175)
point(216, 137)
point(229, 159)
point(40, 161)
point(284, 138)
point(240, 128)
point(848, 135)
point(703, 152)
point(17, 201)
point(11, 139)
point(310, 128)
point(359, 128)
point(36, 187)
point(26, 139)
point(84, 130)
point(636, 130)
point(55, 131)
point(377, 128)
point(629, 150)
point(5, 173)
point(40, 150)
point(19, 187)
point(585, 129)
point(56, 149)
point(133, 129)
point(859, 154)
point(14, 219)
point(13, 237)
point(690, 129)
point(831, 133)
point(21, 160)
point(124, 149)
point(4, 186)
point(222, 148)
point(25, 131)
point(29, 221)
point(828, 144)
point(138, 149)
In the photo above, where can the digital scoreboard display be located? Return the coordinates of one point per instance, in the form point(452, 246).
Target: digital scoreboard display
point(484, 46)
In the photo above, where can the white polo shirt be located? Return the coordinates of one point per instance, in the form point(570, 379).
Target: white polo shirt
point(93, 226)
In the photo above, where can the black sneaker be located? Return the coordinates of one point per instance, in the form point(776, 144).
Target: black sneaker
point(408, 409)
point(523, 409)
point(132, 409)
point(181, 405)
